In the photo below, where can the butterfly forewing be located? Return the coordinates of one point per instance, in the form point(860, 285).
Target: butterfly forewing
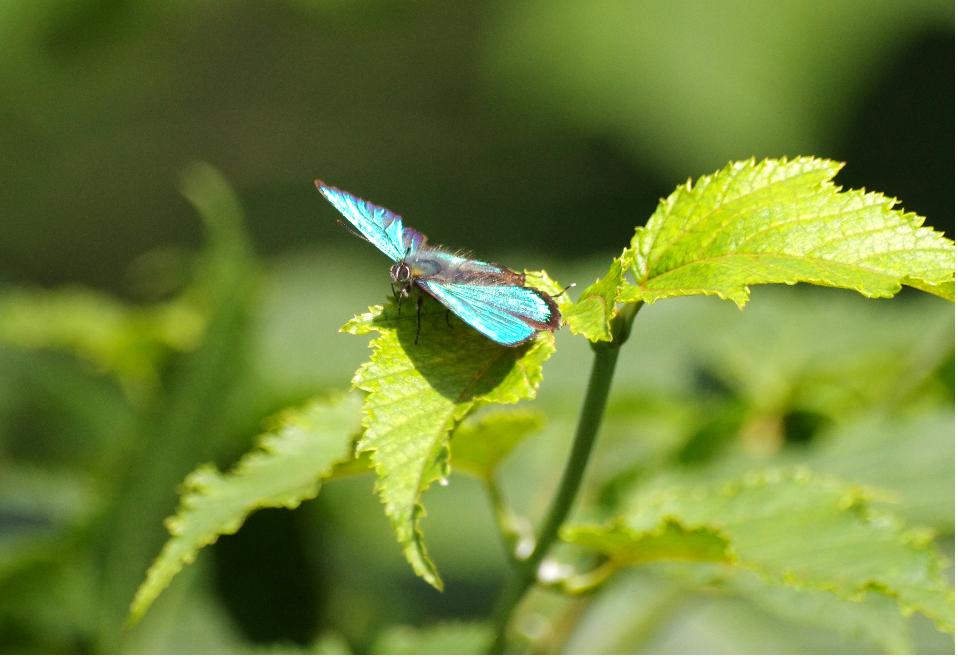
point(380, 226)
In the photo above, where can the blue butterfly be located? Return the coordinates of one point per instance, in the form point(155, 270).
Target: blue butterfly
point(488, 297)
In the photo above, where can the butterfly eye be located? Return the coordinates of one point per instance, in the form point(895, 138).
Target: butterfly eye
point(400, 272)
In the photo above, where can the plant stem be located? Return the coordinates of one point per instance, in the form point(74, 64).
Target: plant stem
point(590, 417)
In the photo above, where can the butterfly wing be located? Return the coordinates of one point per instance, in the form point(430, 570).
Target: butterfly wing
point(380, 226)
point(507, 314)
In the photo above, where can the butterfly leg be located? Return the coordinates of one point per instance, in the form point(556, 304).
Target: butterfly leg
point(418, 317)
point(447, 320)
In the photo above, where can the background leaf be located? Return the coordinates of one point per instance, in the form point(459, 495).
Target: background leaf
point(198, 403)
point(127, 341)
point(783, 221)
point(284, 469)
point(794, 529)
point(447, 638)
point(419, 392)
point(480, 444)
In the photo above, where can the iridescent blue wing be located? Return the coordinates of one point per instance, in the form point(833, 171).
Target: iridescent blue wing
point(380, 226)
point(507, 314)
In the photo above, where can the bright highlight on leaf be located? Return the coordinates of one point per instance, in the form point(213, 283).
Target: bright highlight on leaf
point(795, 529)
point(418, 393)
point(285, 468)
point(784, 221)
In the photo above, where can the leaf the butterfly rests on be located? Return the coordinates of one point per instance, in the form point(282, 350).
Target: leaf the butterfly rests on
point(491, 298)
point(418, 394)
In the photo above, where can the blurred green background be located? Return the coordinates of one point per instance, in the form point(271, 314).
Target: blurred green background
point(135, 344)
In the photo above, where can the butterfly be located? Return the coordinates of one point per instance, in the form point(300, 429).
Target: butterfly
point(491, 298)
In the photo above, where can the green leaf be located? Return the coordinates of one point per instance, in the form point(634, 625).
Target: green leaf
point(671, 540)
point(794, 529)
point(447, 638)
point(115, 337)
point(591, 315)
point(540, 280)
point(784, 221)
point(481, 444)
point(875, 617)
point(192, 420)
point(911, 458)
point(284, 469)
point(418, 393)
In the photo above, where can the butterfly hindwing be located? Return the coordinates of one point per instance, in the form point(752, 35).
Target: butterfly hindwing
point(507, 314)
point(380, 226)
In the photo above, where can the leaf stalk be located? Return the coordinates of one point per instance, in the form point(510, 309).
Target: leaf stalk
point(525, 572)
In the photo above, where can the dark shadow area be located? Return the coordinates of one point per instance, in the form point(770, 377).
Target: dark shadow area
point(901, 138)
point(267, 581)
point(456, 360)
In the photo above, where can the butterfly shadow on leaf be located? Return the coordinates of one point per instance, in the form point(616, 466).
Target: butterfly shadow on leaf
point(456, 360)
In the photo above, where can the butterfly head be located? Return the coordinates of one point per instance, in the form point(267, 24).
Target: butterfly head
point(401, 274)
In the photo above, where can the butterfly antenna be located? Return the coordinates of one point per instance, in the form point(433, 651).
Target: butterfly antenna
point(351, 230)
point(564, 290)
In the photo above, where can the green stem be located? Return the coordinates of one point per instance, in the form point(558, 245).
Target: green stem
point(504, 518)
point(593, 407)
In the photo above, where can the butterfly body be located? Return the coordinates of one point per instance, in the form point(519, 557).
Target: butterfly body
point(489, 297)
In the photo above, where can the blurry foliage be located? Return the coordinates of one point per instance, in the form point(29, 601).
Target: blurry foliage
point(842, 388)
point(106, 404)
point(661, 76)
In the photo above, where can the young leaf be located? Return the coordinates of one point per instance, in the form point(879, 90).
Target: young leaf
point(591, 315)
point(784, 221)
point(418, 393)
point(540, 280)
point(480, 445)
point(283, 470)
point(795, 529)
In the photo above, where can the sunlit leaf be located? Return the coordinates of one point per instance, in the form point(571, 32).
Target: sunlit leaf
point(591, 315)
point(540, 280)
point(784, 221)
point(794, 529)
point(286, 467)
point(418, 393)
